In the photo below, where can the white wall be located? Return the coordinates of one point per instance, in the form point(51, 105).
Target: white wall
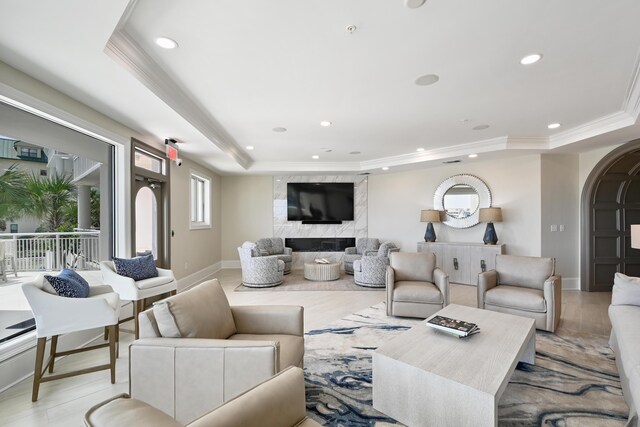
point(396, 199)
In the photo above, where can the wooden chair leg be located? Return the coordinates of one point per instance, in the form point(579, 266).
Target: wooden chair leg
point(136, 312)
point(106, 333)
point(173, 292)
point(113, 334)
point(37, 373)
point(54, 347)
point(117, 340)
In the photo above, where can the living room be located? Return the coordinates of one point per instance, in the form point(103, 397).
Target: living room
point(263, 129)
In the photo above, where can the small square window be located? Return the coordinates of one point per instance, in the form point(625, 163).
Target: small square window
point(200, 203)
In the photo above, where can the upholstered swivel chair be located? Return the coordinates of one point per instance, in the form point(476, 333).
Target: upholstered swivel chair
point(275, 246)
point(524, 286)
point(370, 270)
point(196, 352)
point(415, 286)
point(276, 402)
point(259, 271)
point(138, 291)
point(362, 246)
point(56, 315)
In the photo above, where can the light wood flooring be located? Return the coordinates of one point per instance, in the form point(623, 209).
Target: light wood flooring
point(64, 402)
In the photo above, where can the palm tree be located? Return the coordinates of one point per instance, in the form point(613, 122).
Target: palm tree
point(14, 196)
point(49, 198)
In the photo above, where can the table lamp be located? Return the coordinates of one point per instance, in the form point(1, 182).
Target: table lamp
point(490, 215)
point(429, 216)
point(635, 236)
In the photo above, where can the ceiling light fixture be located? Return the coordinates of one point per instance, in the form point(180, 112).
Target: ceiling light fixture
point(419, 149)
point(166, 43)
point(249, 147)
point(531, 59)
point(279, 129)
point(413, 4)
point(473, 156)
point(386, 168)
point(480, 127)
point(553, 126)
point(325, 123)
point(427, 79)
point(315, 157)
point(354, 152)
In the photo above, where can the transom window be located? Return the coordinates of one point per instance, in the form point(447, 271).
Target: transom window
point(200, 201)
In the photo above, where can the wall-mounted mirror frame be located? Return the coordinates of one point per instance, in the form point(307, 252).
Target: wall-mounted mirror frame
point(484, 196)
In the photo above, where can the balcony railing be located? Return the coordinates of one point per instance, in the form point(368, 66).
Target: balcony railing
point(52, 251)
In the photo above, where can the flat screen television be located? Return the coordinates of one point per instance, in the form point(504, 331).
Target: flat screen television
point(320, 202)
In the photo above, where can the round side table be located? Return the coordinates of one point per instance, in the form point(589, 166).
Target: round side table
point(321, 272)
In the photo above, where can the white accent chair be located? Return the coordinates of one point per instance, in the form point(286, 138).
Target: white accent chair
point(259, 271)
point(524, 286)
point(56, 315)
point(137, 292)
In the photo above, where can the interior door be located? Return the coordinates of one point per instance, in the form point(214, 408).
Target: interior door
point(149, 218)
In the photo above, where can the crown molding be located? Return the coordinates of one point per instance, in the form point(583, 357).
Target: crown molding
point(599, 126)
point(127, 52)
point(315, 166)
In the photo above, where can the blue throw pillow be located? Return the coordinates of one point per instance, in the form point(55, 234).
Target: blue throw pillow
point(138, 268)
point(69, 284)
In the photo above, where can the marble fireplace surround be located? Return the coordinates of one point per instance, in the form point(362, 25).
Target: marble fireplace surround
point(295, 229)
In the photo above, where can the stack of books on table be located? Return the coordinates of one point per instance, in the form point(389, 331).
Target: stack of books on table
point(459, 328)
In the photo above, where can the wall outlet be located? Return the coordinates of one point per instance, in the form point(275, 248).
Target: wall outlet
point(561, 227)
point(554, 227)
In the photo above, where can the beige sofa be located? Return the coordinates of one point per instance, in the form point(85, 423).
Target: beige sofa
point(277, 402)
point(524, 286)
point(196, 352)
point(624, 313)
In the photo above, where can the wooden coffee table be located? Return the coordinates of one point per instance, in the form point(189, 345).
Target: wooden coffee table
point(321, 272)
point(425, 377)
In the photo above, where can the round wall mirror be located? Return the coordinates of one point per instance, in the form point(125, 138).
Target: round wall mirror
point(461, 197)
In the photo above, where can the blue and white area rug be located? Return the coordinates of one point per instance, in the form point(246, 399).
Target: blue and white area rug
point(574, 383)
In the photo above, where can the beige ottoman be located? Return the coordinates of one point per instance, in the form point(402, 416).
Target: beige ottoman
point(321, 272)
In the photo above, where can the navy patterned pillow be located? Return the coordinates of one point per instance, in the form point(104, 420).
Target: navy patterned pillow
point(69, 284)
point(138, 268)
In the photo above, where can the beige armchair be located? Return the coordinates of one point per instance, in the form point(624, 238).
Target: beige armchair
point(196, 352)
point(524, 286)
point(277, 402)
point(415, 286)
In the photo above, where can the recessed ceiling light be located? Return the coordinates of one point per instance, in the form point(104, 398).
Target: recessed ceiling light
point(473, 156)
point(325, 123)
point(386, 168)
point(427, 79)
point(419, 149)
point(354, 152)
point(413, 4)
point(166, 43)
point(554, 126)
point(315, 157)
point(279, 129)
point(249, 147)
point(480, 127)
point(531, 59)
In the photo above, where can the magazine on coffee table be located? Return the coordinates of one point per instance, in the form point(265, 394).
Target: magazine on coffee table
point(456, 327)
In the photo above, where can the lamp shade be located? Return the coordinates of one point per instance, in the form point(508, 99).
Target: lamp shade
point(429, 215)
point(635, 236)
point(490, 215)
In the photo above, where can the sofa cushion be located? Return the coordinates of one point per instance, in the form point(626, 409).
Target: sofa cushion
point(524, 271)
point(626, 290)
point(414, 291)
point(69, 284)
point(525, 299)
point(200, 312)
point(622, 318)
point(152, 282)
point(291, 346)
point(138, 268)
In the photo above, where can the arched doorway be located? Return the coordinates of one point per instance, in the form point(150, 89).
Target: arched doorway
point(610, 204)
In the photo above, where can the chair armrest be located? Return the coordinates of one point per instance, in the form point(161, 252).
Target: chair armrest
point(163, 272)
point(441, 280)
point(357, 266)
point(486, 281)
point(124, 286)
point(188, 377)
point(123, 411)
point(553, 297)
point(288, 251)
point(350, 251)
point(390, 279)
point(269, 261)
point(269, 319)
point(371, 253)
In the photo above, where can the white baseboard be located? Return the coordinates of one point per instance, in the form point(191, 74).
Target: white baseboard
point(197, 277)
point(571, 283)
point(231, 264)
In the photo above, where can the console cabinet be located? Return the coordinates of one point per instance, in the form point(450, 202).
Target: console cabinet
point(463, 261)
